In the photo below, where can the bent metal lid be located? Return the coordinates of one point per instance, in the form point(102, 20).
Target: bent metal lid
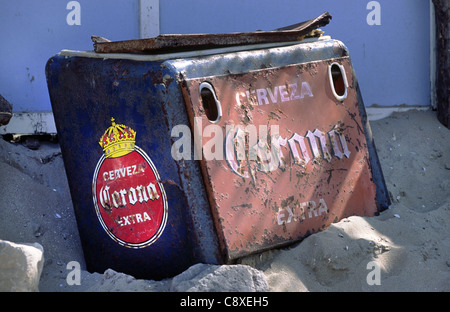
point(186, 42)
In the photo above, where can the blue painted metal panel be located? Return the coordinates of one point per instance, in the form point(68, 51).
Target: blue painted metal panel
point(85, 93)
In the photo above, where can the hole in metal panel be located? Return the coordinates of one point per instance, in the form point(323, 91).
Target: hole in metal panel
point(210, 103)
point(338, 81)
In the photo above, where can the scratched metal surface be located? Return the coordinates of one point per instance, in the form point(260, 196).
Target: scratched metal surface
point(85, 93)
point(320, 174)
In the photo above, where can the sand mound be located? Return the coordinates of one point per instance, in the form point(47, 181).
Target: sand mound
point(406, 248)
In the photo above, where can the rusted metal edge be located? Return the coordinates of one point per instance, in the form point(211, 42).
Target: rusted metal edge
point(175, 42)
point(5, 111)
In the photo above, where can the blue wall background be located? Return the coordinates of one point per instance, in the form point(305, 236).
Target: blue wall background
point(391, 60)
point(31, 31)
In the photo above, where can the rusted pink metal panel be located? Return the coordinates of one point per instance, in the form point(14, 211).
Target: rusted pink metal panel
point(283, 152)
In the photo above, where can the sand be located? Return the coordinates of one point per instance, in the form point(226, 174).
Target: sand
point(410, 242)
point(405, 248)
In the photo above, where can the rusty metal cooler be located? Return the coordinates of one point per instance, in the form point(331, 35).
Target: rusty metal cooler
point(208, 156)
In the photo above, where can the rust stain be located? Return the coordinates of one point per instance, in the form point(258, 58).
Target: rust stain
point(318, 171)
point(174, 42)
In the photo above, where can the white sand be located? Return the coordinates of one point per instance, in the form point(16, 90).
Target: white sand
point(409, 243)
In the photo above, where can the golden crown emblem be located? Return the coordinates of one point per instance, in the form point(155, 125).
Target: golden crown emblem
point(118, 140)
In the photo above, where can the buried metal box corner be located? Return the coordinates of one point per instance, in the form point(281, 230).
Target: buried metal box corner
point(132, 211)
point(295, 107)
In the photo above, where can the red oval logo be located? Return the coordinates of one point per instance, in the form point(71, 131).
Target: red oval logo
point(129, 200)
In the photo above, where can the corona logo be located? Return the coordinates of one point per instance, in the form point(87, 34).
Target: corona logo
point(129, 199)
